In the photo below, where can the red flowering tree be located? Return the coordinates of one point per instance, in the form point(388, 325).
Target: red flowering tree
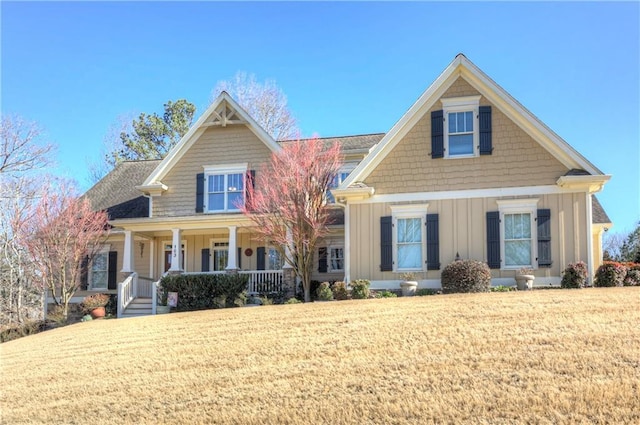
point(287, 202)
point(63, 234)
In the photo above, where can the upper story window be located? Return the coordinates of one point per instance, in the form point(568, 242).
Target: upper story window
point(461, 136)
point(224, 188)
point(339, 178)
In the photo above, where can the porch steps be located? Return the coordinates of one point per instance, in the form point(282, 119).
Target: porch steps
point(138, 307)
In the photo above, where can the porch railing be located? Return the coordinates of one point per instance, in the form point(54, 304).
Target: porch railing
point(127, 292)
point(145, 287)
point(262, 281)
point(154, 296)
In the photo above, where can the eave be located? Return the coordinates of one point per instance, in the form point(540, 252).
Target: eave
point(353, 193)
point(592, 184)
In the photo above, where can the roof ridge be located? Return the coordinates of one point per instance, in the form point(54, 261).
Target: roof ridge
point(333, 137)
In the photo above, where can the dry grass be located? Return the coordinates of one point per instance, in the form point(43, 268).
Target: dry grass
point(542, 357)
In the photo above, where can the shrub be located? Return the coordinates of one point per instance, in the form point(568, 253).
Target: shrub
point(112, 306)
point(18, 331)
point(94, 301)
point(360, 289)
point(503, 288)
point(610, 274)
point(293, 301)
point(205, 291)
point(324, 292)
point(386, 294)
point(426, 291)
point(340, 291)
point(466, 276)
point(574, 276)
point(633, 276)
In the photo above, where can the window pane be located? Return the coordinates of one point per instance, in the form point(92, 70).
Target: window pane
point(99, 262)
point(410, 256)
point(235, 182)
point(461, 145)
point(275, 260)
point(220, 258)
point(409, 230)
point(468, 117)
point(216, 201)
point(517, 253)
point(236, 200)
point(337, 258)
point(216, 183)
point(99, 280)
point(460, 119)
point(452, 122)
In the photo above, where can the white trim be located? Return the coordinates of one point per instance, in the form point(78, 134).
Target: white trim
point(519, 206)
point(409, 210)
point(212, 248)
point(464, 194)
point(503, 101)
point(329, 248)
point(226, 169)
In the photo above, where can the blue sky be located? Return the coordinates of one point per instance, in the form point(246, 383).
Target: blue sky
point(347, 68)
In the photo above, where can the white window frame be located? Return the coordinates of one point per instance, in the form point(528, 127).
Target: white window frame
point(338, 179)
point(462, 104)
point(225, 170)
point(104, 250)
point(330, 268)
point(519, 206)
point(404, 212)
point(164, 250)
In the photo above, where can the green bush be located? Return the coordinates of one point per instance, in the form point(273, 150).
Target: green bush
point(503, 288)
point(293, 301)
point(18, 331)
point(609, 274)
point(206, 291)
point(340, 291)
point(386, 294)
point(324, 292)
point(633, 276)
point(574, 276)
point(360, 289)
point(422, 292)
point(466, 276)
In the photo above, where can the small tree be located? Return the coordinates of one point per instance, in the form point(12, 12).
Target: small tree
point(289, 202)
point(62, 235)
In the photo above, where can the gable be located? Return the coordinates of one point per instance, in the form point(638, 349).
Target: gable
point(408, 167)
point(492, 94)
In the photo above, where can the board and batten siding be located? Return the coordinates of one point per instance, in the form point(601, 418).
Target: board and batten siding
point(462, 230)
point(517, 160)
point(217, 146)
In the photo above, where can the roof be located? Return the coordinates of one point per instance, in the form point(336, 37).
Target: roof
point(599, 215)
point(347, 143)
point(461, 67)
point(117, 194)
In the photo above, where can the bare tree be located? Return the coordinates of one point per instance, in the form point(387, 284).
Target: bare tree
point(23, 154)
point(111, 142)
point(265, 102)
point(611, 245)
point(63, 234)
point(289, 209)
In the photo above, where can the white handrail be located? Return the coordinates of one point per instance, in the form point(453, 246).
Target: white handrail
point(127, 292)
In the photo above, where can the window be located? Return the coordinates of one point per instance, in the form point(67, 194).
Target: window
point(337, 181)
point(517, 233)
point(336, 259)
point(461, 126)
point(409, 235)
point(274, 260)
point(100, 271)
point(224, 190)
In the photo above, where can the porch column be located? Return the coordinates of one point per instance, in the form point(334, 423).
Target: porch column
point(127, 258)
point(589, 220)
point(347, 244)
point(176, 252)
point(287, 250)
point(232, 262)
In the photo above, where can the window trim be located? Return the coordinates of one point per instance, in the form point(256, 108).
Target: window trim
point(224, 170)
point(212, 249)
point(104, 249)
point(462, 104)
point(519, 206)
point(330, 269)
point(404, 212)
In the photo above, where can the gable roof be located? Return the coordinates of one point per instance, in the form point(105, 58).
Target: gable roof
point(463, 67)
point(598, 214)
point(116, 192)
point(222, 112)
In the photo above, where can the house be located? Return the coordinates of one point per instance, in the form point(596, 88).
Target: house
point(466, 172)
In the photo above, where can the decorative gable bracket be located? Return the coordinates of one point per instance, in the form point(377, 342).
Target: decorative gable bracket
point(224, 115)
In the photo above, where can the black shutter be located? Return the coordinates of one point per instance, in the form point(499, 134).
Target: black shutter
point(261, 257)
point(485, 130)
point(239, 263)
point(433, 242)
point(205, 254)
point(200, 193)
point(544, 238)
point(84, 273)
point(322, 260)
point(251, 179)
point(112, 282)
point(386, 244)
point(493, 239)
point(437, 134)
